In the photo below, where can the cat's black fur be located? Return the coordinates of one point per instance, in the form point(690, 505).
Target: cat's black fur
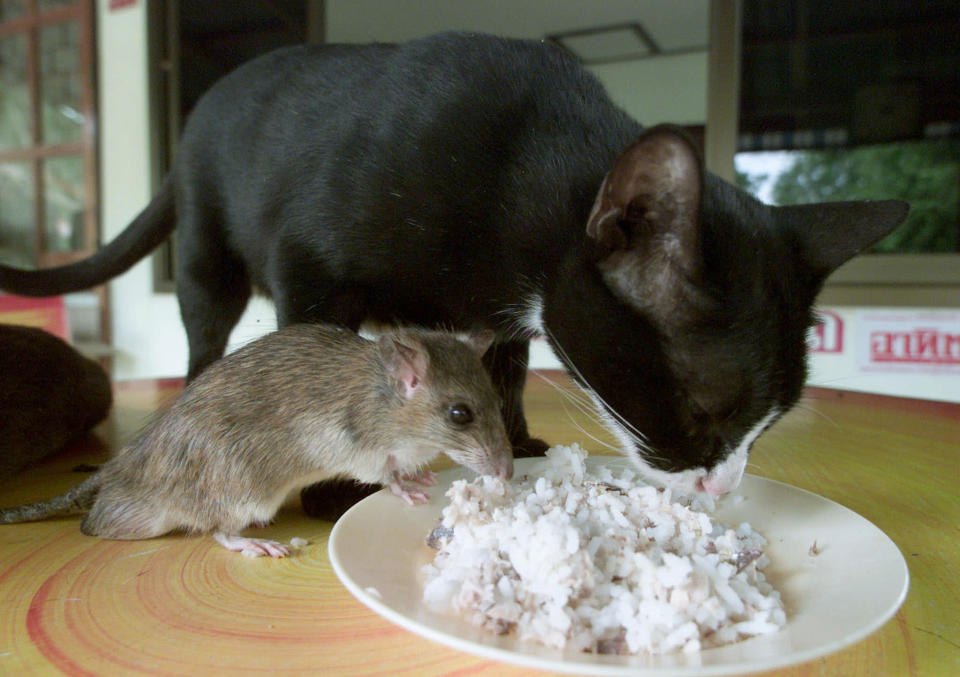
point(456, 181)
point(49, 394)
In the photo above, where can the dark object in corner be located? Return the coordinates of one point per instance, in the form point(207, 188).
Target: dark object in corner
point(330, 499)
point(49, 394)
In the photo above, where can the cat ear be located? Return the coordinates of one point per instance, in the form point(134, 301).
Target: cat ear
point(405, 361)
point(832, 233)
point(651, 198)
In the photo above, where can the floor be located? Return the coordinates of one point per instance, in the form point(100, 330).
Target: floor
point(182, 605)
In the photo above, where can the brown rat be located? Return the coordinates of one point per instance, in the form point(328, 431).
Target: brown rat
point(302, 404)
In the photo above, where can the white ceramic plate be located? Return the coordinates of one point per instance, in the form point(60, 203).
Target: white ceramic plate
point(836, 598)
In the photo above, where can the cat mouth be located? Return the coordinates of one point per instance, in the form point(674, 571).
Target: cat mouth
point(688, 482)
point(720, 479)
point(717, 481)
point(688, 478)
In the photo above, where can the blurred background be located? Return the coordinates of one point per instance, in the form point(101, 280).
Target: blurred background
point(796, 101)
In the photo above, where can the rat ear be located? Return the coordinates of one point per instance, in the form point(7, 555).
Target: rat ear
point(831, 233)
point(480, 341)
point(649, 202)
point(405, 360)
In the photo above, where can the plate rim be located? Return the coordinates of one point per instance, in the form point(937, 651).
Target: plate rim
point(577, 667)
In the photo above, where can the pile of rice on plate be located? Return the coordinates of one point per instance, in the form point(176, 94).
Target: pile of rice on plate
point(598, 562)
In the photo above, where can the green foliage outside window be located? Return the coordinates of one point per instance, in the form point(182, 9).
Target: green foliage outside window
point(924, 173)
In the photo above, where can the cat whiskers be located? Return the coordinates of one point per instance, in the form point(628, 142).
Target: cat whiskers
point(581, 402)
point(619, 423)
point(806, 404)
point(588, 434)
point(582, 405)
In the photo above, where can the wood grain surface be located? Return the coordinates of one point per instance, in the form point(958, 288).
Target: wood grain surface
point(179, 605)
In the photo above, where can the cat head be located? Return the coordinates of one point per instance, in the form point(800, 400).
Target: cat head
point(685, 315)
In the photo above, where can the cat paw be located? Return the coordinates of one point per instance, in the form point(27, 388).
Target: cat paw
point(252, 547)
point(531, 446)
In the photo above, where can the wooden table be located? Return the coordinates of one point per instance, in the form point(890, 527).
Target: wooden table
point(185, 606)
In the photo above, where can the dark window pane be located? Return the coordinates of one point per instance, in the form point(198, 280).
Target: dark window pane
point(14, 97)
point(65, 203)
point(17, 246)
point(11, 9)
point(60, 88)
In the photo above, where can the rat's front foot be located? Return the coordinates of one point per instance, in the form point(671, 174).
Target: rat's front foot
point(251, 547)
point(398, 483)
point(424, 477)
point(410, 495)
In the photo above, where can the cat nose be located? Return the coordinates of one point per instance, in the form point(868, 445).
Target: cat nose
point(713, 486)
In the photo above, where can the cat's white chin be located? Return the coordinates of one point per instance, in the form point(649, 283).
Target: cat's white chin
point(717, 481)
point(721, 479)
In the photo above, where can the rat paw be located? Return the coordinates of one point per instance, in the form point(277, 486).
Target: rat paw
point(410, 495)
point(252, 547)
point(424, 477)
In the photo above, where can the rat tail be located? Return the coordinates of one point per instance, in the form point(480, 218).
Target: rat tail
point(79, 498)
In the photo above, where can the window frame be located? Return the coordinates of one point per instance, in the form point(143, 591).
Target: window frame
point(30, 24)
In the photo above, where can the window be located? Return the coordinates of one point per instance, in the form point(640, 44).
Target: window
point(925, 173)
point(858, 101)
point(47, 158)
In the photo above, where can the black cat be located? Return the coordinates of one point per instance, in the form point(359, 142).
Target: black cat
point(469, 181)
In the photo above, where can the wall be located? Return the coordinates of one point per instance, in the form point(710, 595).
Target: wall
point(140, 318)
point(147, 333)
point(662, 89)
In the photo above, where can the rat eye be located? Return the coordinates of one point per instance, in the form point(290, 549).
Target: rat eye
point(460, 414)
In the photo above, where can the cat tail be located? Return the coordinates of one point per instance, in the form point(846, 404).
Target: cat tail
point(79, 498)
point(144, 234)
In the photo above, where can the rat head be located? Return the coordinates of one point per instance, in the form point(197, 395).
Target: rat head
point(449, 403)
point(686, 313)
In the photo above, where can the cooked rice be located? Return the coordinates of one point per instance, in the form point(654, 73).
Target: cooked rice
point(596, 561)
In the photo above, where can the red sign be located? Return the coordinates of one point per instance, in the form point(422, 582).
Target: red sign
point(827, 335)
point(921, 341)
point(919, 346)
point(120, 4)
point(49, 314)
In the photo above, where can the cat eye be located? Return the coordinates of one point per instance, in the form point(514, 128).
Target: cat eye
point(460, 414)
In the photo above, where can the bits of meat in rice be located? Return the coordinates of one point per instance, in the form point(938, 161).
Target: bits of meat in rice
point(596, 561)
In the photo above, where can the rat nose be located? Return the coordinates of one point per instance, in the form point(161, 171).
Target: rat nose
point(505, 468)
